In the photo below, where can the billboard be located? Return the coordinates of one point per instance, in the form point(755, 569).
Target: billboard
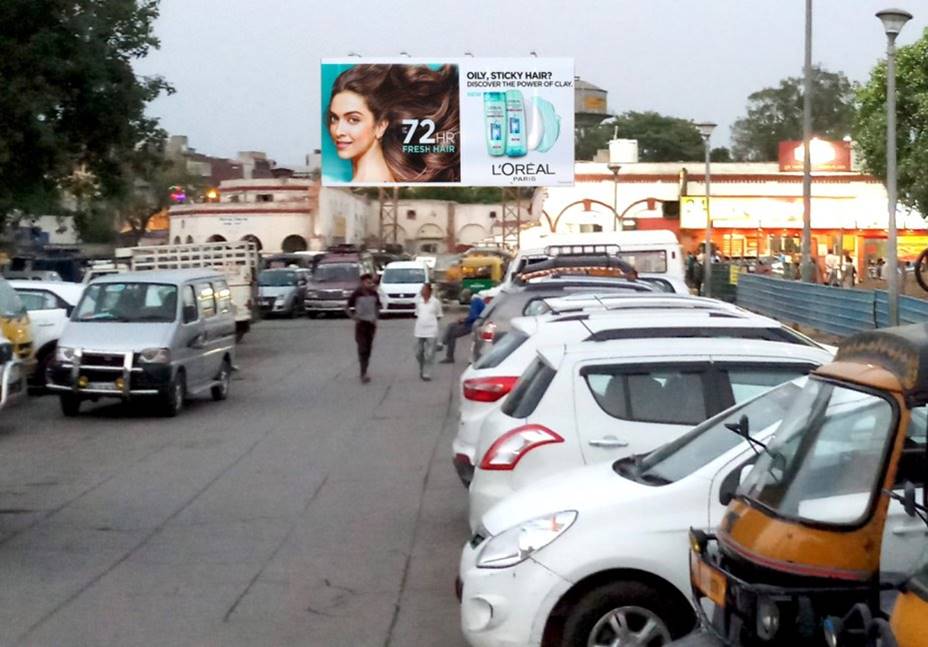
point(824, 154)
point(448, 122)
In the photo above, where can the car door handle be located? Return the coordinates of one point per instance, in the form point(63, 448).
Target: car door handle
point(46, 325)
point(608, 441)
point(911, 529)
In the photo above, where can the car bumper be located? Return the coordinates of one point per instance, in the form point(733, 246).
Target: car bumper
point(136, 381)
point(12, 384)
point(326, 305)
point(487, 488)
point(506, 606)
point(274, 308)
point(400, 305)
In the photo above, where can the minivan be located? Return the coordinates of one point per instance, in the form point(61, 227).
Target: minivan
point(161, 335)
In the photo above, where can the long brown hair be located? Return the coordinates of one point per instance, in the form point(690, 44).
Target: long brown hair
point(397, 92)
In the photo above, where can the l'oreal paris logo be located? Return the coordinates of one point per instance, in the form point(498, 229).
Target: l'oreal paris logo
point(509, 169)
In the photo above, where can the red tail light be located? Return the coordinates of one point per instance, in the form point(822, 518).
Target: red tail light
point(509, 448)
point(488, 389)
point(488, 331)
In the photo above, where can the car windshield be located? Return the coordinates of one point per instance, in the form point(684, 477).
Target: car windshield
point(827, 458)
point(403, 275)
point(710, 439)
point(10, 303)
point(128, 303)
point(276, 278)
point(337, 273)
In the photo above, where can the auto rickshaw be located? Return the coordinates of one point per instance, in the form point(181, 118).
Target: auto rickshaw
point(821, 523)
point(480, 273)
point(16, 327)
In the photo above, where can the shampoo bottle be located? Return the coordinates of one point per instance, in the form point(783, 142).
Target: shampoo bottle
point(515, 124)
point(494, 116)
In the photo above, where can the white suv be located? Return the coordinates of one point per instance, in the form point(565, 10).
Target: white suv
point(486, 382)
point(593, 402)
point(566, 560)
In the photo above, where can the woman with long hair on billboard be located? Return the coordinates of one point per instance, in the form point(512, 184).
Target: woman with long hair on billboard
point(367, 108)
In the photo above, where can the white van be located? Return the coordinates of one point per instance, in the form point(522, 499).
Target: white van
point(655, 254)
point(400, 283)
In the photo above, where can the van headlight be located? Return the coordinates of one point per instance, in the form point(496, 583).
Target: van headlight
point(155, 356)
point(515, 545)
point(65, 354)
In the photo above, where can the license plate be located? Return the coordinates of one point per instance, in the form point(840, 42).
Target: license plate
point(102, 386)
point(710, 581)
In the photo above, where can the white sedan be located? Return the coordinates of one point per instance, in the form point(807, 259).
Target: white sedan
point(49, 304)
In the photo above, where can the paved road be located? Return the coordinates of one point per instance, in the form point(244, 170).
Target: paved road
point(308, 509)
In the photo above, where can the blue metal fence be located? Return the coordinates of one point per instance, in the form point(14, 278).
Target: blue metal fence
point(838, 311)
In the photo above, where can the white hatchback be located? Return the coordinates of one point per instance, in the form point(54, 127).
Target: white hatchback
point(568, 559)
point(400, 282)
point(572, 319)
point(590, 402)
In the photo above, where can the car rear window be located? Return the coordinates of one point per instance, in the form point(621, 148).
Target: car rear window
point(501, 350)
point(529, 390)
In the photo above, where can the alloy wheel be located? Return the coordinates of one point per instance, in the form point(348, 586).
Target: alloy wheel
point(629, 626)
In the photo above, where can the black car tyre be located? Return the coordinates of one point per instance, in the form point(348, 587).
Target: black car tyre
point(172, 400)
point(625, 613)
point(70, 405)
point(221, 390)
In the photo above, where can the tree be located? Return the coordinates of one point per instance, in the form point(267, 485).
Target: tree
point(911, 123)
point(660, 138)
point(775, 114)
point(70, 101)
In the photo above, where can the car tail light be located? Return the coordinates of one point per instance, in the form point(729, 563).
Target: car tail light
point(508, 450)
point(488, 331)
point(488, 389)
point(486, 300)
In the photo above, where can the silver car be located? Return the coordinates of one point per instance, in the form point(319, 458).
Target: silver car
point(165, 335)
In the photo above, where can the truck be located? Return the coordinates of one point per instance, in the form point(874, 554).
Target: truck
point(238, 261)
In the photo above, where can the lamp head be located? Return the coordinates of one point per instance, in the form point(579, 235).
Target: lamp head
point(705, 129)
point(893, 20)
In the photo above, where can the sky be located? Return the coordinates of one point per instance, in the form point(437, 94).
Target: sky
point(247, 72)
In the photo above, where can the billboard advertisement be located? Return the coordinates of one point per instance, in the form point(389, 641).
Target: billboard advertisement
point(824, 154)
point(448, 122)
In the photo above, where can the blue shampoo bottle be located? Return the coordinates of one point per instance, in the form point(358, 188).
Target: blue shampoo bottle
point(515, 124)
point(494, 116)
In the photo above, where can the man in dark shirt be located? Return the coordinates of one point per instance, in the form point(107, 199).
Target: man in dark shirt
point(363, 306)
point(461, 327)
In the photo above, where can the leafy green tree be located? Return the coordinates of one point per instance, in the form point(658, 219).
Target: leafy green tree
point(660, 138)
point(72, 110)
point(911, 123)
point(775, 114)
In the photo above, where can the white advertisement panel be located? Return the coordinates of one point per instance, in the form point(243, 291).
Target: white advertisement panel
point(449, 122)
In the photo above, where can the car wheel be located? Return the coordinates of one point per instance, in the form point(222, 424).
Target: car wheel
point(221, 390)
point(70, 405)
point(625, 613)
point(173, 398)
point(39, 379)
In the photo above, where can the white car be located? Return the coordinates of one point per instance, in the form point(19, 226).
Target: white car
point(487, 381)
point(400, 282)
point(49, 304)
point(570, 558)
point(592, 402)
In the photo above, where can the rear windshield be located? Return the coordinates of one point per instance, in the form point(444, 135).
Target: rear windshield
point(501, 350)
point(337, 273)
point(529, 390)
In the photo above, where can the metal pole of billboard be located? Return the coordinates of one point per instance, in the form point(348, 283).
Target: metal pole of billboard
point(705, 131)
point(616, 222)
point(380, 200)
point(893, 21)
point(806, 269)
point(396, 212)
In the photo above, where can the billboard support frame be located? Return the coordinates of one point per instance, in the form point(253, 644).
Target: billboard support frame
point(512, 217)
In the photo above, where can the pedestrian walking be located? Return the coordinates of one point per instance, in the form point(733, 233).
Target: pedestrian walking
point(461, 327)
point(363, 306)
point(428, 312)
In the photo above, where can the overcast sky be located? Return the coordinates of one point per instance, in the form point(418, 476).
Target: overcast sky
point(247, 71)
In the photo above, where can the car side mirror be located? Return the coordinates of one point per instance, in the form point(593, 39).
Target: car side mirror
point(733, 481)
point(190, 314)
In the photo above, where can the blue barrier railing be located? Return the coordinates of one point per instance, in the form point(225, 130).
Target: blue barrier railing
point(838, 311)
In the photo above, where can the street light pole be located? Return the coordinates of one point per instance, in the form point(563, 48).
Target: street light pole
point(615, 195)
point(893, 21)
point(705, 131)
point(806, 271)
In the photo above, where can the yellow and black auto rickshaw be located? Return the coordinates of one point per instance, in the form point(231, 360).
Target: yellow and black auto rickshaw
point(823, 522)
point(16, 327)
point(480, 273)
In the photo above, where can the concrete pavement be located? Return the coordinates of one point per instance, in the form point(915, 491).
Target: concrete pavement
point(308, 509)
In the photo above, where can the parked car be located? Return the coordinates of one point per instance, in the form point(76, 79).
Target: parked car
point(49, 304)
point(283, 291)
point(335, 278)
point(167, 335)
point(490, 379)
point(399, 284)
point(586, 403)
point(529, 299)
point(16, 327)
point(608, 543)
